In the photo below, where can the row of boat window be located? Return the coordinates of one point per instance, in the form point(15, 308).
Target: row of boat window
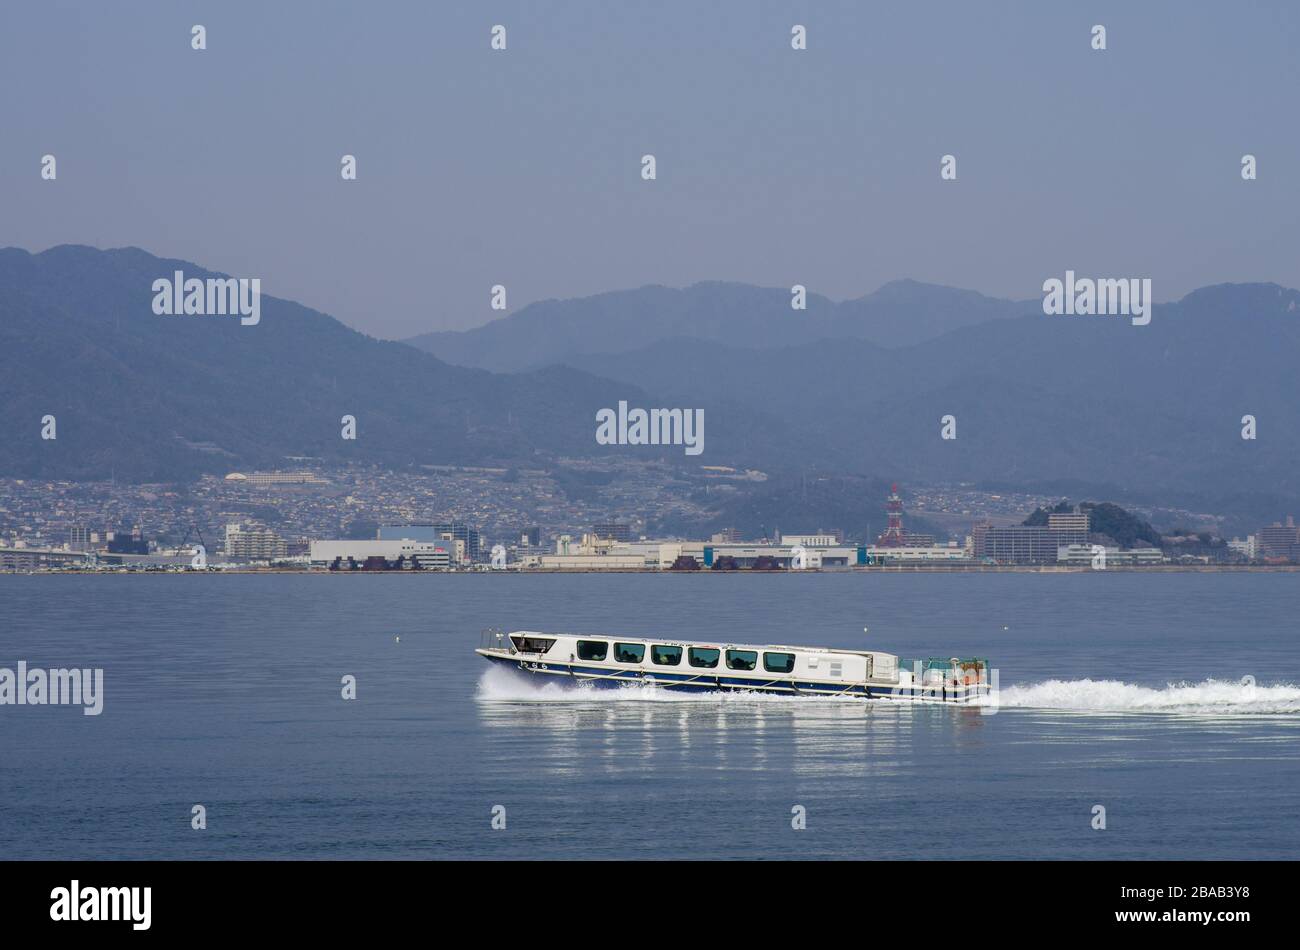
point(701, 657)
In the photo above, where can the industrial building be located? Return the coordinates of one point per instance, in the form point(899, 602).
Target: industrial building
point(592, 553)
point(918, 554)
point(746, 556)
point(382, 555)
point(1082, 555)
point(1030, 544)
point(274, 479)
point(435, 532)
point(820, 540)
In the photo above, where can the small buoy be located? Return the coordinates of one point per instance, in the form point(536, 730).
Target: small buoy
point(1004, 626)
point(397, 639)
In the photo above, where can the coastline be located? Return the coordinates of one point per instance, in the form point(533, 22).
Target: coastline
point(874, 569)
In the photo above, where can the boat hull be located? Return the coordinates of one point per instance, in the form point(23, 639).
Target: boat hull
point(606, 677)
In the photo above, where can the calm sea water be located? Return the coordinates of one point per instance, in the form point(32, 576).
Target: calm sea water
point(1121, 690)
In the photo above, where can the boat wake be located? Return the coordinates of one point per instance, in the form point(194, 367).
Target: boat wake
point(1208, 698)
point(1211, 697)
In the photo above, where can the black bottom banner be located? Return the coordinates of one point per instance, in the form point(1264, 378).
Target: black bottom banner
point(938, 899)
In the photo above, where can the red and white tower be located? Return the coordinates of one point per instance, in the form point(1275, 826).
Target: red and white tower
point(894, 536)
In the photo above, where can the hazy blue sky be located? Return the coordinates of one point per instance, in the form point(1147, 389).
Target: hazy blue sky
point(775, 167)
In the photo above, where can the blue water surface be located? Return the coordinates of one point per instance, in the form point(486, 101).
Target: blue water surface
point(1127, 691)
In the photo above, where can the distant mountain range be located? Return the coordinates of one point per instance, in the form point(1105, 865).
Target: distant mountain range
point(1090, 404)
point(900, 313)
point(1093, 405)
point(144, 397)
point(1037, 400)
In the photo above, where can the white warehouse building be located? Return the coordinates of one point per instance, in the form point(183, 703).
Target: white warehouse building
point(427, 554)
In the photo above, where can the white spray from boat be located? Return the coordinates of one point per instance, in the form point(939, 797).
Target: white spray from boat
point(1208, 698)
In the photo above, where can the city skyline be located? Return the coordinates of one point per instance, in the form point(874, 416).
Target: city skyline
point(280, 517)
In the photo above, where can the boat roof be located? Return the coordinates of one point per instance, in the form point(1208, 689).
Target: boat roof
point(669, 641)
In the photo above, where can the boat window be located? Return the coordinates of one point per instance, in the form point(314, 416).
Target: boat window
point(592, 649)
point(778, 662)
point(629, 652)
point(703, 657)
point(532, 644)
point(742, 659)
point(666, 656)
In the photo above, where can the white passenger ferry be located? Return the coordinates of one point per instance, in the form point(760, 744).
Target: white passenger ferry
point(735, 667)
